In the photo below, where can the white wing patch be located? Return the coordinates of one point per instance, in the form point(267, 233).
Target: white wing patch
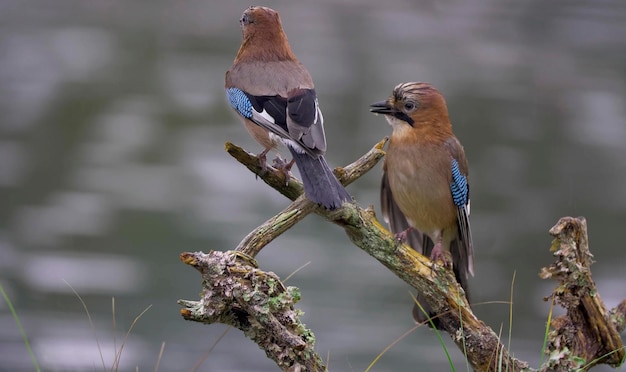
point(266, 116)
point(293, 145)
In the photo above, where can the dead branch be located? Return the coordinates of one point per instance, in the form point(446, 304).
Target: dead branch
point(587, 335)
point(237, 293)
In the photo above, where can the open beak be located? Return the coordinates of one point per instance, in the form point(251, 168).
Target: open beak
point(382, 107)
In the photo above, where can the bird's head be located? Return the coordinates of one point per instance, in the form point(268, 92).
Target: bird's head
point(259, 18)
point(263, 35)
point(413, 104)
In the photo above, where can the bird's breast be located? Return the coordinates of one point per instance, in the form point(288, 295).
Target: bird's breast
point(419, 179)
point(261, 135)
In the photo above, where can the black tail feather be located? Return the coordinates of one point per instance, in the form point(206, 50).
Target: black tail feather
point(320, 184)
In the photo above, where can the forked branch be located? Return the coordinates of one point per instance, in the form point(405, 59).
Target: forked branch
point(238, 293)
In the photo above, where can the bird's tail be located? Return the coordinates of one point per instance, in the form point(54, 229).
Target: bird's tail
point(459, 266)
point(320, 184)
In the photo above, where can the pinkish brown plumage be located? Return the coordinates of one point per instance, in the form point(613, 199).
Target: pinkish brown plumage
point(274, 95)
point(425, 190)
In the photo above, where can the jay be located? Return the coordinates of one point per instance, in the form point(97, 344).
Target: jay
point(425, 190)
point(274, 95)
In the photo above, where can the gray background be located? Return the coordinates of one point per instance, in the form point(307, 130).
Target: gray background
point(112, 126)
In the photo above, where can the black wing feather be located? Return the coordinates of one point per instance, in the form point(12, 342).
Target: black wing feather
point(275, 106)
point(302, 108)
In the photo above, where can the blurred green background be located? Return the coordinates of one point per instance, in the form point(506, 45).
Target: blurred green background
point(112, 128)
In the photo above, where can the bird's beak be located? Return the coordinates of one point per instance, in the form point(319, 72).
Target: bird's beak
point(383, 107)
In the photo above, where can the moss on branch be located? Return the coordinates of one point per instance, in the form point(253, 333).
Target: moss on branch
point(238, 293)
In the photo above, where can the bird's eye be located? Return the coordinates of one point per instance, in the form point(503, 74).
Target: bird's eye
point(245, 20)
point(409, 106)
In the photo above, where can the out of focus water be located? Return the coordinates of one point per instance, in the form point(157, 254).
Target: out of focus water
point(112, 125)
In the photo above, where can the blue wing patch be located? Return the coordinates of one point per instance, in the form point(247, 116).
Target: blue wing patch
point(240, 102)
point(458, 186)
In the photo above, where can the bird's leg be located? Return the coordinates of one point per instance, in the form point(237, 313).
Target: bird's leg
point(284, 167)
point(438, 254)
point(263, 159)
point(402, 235)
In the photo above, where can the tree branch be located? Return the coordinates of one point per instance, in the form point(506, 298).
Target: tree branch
point(587, 335)
point(238, 294)
point(292, 189)
point(260, 302)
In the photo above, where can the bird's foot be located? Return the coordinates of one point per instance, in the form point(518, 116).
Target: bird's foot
point(402, 235)
point(438, 254)
point(284, 167)
point(263, 161)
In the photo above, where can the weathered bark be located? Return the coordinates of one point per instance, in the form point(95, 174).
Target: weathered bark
point(586, 335)
point(237, 293)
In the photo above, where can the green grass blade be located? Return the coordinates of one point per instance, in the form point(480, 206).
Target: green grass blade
point(467, 366)
point(390, 346)
point(441, 342)
point(593, 362)
point(511, 316)
point(19, 326)
point(545, 336)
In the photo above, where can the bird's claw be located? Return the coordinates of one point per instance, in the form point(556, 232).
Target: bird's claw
point(262, 162)
point(402, 236)
point(437, 255)
point(284, 167)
